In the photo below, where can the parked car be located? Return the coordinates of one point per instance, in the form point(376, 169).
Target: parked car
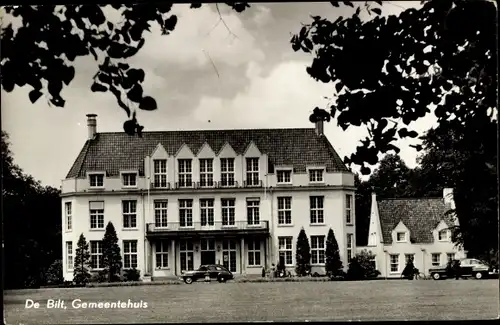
point(207, 273)
point(469, 267)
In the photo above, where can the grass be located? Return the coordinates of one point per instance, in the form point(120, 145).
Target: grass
point(278, 301)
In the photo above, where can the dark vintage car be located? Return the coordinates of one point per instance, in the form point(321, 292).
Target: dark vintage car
point(207, 272)
point(468, 267)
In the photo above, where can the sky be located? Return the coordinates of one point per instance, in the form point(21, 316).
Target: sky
point(203, 76)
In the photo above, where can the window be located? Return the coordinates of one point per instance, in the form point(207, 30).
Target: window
point(161, 247)
point(161, 208)
point(443, 235)
point(284, 210)
point(316, 204)
point(96, 180)
point(348, 209)
point(96, 254)
point(450, 256)
point(285, 249)
point(317, 249)
point(227, 171)
point(408, 257)
point(207, 212)
point(315, 175)
point(284, 176)
point(253, 211)
point(436, 259)
point(185, 173)
point(350, 247)
point(69, 254)
point(206, 172)
point(129, 179)
point(129, 214)
point(394, 263)
point(186, 255)
point(228, 212)
point(401, 237)
point(254, 253)
point(96, 215)
point(130, 254)
point(252, 171)
point(160, 173)
point(68, 212)
point(186, 213)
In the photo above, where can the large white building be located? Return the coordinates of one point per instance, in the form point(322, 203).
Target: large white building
point(179, 199)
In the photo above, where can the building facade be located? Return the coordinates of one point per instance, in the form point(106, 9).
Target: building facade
point(179, 199)
point(417, 228)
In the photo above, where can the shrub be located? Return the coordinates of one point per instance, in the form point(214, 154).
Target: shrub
point(362, 267)
point(99, 277)
point(333, 264)
point(81, 274)
point(132, 275)
point(55, 273)
point(303, 255)
point(111, 254)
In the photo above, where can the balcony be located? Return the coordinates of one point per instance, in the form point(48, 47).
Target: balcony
point(160, 186)
point(185, 184)
point(216, 228)
point(254, 183)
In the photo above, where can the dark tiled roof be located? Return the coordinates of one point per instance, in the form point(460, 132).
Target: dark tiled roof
point(112, 152)
point(420, 216)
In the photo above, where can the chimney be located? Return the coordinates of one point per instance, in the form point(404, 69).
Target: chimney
point(319, 127)
point(448, 198)
point(92, 125)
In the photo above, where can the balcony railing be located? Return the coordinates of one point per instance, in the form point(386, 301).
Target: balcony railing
point(253, 183)
point(226, 184)
point(160, 186)
point(186, 184)
point(206, 184)
point(198, 226)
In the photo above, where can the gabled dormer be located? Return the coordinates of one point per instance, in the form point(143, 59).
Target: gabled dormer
point(252, 166)
point(442, 233)
point(400, 233)
point(157, 166)
point(205, 152)
point(227, 162)
point(184, 167)
point(375, 230)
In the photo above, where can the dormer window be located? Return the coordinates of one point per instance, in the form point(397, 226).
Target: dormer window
point(185, 173)
point(401, 237)
point(316, 175)
point(160, 173)
point(129, 179)
point(443, 235)
point(96, 180)
point(284, 176)
point(252, 171)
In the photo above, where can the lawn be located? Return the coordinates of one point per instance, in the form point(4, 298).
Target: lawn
point(283, 301)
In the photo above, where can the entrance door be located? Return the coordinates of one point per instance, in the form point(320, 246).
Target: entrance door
point(229, 254)
point(207, 251)
point(187, 255)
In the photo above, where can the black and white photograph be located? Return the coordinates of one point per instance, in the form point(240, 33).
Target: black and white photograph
point(249, 162)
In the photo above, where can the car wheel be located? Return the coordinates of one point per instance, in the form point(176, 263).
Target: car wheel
point(222, 279)
point(478, 275)
point(188, 280)
point(436, 276)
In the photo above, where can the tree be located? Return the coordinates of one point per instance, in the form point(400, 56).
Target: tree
point(44, 49)
point(111, 254)
point(81, 274)
point(386, 72)
point(333, 264)
point(55, 273)
point(32, 218)
point(362, 266)
point(303, 254)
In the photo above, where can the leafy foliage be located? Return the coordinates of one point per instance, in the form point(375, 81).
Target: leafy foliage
point(32, 216)
point(362, 266)
point(81, 274)
point(303, 254)
point(333, 263)
point(111, 254)
point(132, 275)
point(41, 53)
point(55, 273)
point(387, 71)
